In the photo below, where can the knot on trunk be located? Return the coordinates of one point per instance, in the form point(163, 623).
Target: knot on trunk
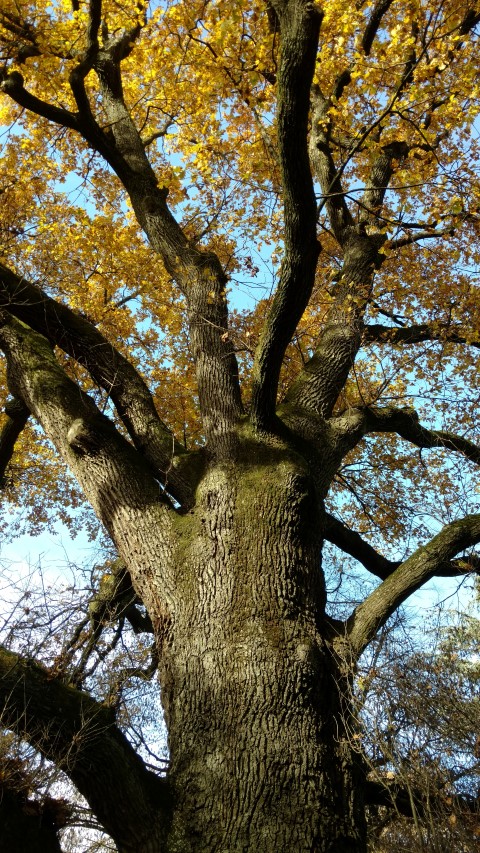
point(83, 438)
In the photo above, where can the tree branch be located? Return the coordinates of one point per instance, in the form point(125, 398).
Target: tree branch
point(115, 478)
point(401, 799)
point(324, 167)
point(352, 543)
point(318, 385)
point(12, 84)
point(405, 422)
point(378, 12)
point(111, 370)
point(379, 179)
point(116, 598)
point(17, 416)
point(409, 239)
point(79, 735)
point(299, 29)
point(424, 564)
point(199, 274)
point(375, 333)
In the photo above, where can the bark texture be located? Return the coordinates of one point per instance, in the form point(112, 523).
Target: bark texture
point(251, 684)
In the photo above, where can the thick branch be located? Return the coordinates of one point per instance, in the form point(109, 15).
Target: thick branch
point(199, 274)
point(379, 10)
point(424, 564)
point(16, 417)
point(352, 543)
point(323, 164)
point(80, 736)
point(116, 598)
point(111, 370)
point(13, 86)
point(94, 20)
point(409, 239)
point(317, 386)
point(378, 334)
point(379, 179)
point(115, 478)
point(411, 801)
point(322, 378)
point(299, 27)
point(405, 423)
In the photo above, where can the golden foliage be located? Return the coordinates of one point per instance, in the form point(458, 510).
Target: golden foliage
point(199, 81)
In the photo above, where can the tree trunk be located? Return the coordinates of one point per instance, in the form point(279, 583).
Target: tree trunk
point(260, 760)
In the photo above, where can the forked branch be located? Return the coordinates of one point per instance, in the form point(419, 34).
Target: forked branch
point(350, 542)
point(107, 367)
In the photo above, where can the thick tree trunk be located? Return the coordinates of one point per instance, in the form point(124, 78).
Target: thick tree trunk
point(260, 759)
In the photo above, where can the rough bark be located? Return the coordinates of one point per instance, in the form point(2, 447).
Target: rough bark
point(260, 755)
point(255, 678)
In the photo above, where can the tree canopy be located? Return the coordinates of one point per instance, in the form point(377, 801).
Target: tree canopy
point(394, 152)
point(239, 250)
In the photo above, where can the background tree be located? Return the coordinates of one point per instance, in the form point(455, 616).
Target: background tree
point(419, 700)
point(343, 143)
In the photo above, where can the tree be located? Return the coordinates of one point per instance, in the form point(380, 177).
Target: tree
point(343, 142)
point(420, 711)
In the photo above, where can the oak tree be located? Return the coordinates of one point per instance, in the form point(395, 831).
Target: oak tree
point(159, 159)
